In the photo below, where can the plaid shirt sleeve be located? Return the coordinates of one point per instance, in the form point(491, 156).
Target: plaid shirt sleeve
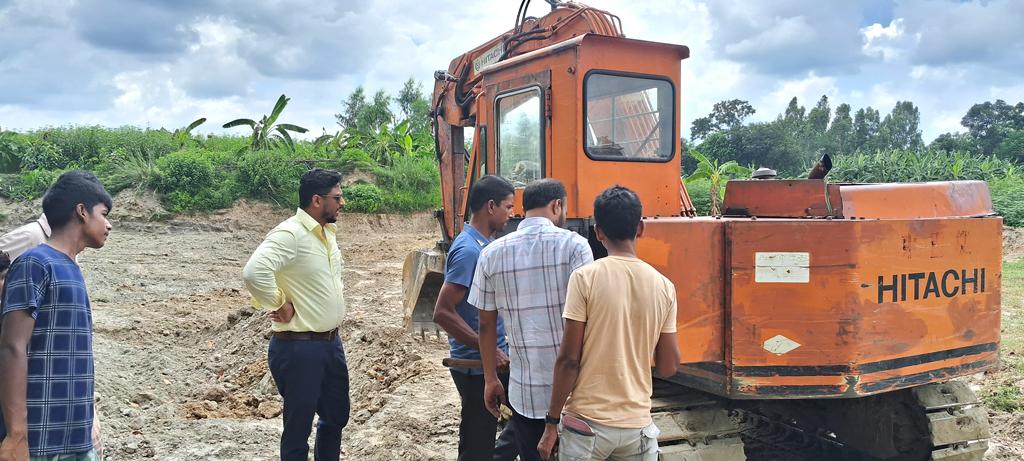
point(582, 254)
point(481, 294)
point(23, 289)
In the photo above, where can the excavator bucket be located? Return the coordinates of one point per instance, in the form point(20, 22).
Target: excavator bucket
point(422, 277)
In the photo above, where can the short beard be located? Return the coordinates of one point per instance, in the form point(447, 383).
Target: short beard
point(330, 218)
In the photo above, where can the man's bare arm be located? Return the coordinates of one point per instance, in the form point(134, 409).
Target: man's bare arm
point(666, 355)
point(567, 365)
point(447, 318)
point(15, 333)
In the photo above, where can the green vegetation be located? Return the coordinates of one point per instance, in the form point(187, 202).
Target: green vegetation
point(1001, 390)
point(1005, 397)
point(716, 175)
point(392, 151)
point(866, 147)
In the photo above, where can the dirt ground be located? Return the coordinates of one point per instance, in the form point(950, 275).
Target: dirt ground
point(181, 358)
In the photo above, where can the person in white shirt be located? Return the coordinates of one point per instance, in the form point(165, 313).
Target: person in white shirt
point(525, 275)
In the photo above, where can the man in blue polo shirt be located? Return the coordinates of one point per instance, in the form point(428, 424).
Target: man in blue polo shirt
point(46, 361)
point(490, 200)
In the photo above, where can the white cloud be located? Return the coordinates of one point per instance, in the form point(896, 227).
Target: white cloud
point(886, 42)
point(167, 63)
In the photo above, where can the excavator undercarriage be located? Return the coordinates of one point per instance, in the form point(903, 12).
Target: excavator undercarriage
point(940, 421)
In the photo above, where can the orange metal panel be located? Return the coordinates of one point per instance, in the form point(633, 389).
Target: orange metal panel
point(890, 299)
point(690, 252)
point(786, 198)
point(919, 200)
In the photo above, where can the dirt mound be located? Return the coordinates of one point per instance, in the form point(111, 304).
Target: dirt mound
point(14, 213)
point(1008, 431)
point(1013, 243)
point(139, 205)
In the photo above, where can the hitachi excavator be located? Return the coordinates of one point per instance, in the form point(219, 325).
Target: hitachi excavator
point(816, 320)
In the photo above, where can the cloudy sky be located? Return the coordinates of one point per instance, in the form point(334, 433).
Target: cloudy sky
point(163, 63)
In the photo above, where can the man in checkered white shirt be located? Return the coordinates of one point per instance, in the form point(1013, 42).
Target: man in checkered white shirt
point(525, 274)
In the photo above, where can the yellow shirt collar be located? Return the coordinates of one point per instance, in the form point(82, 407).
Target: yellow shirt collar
point(310, 224)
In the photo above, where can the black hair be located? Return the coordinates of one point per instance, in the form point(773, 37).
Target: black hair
point(540, 193)
point(617, 212)
point(5, 261)
point(70, 189)
point(317, 181)
point(489, 188)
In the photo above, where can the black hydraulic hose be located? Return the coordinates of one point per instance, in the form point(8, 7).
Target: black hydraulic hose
point(522, 8)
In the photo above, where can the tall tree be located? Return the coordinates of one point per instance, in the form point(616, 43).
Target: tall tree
point(813, 136)
point(794, 112)
point(900, 129)
point(866, 123)
point(724, 115)
point(817, 119)
point(840, 134)
point(989, 122)
point(353, 106)
point(415, 108)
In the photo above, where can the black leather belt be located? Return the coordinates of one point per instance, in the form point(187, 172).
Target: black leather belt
point(306, 335)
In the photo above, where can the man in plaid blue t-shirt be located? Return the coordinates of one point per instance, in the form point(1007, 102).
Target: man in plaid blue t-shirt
point(46, 361)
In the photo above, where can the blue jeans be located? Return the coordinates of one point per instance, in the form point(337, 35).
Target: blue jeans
point(312, 377)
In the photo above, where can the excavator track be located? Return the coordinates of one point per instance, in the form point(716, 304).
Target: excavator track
point(957, 424)
point(695, 426)
point(939, 422)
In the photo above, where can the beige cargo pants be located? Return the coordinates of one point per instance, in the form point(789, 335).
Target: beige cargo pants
point(611, 443)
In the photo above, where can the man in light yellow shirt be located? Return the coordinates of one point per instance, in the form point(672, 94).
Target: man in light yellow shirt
point(296, 274)
point(619, 312)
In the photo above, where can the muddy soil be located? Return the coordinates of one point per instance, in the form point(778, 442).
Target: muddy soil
point(181, 358)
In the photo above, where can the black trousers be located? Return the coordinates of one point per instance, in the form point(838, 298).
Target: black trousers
point(477, 428)
point(528, 433)
point(312, 377)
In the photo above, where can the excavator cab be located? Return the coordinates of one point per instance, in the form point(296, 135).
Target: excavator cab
point(582, 104)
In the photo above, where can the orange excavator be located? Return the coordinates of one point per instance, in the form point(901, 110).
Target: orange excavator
point(816, 320)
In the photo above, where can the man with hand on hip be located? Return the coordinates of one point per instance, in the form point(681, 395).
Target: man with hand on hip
point(296, 274)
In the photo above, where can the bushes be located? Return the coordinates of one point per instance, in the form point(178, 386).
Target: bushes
point(127, 169)
point(914, 166)
point(1008, 199)
point(32, 184)
point(410, 184)
point(271, 175)
point(186, 171)
point(700, 195)
point(197, 180)
point(88, 146)
point(363, 198)
point(27, 153)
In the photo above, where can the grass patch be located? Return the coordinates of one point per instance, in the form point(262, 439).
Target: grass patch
point(1005, 397)
point(1000, 390)
point(1013, 309)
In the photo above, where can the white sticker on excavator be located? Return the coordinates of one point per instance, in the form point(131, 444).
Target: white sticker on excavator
point(782, 267)
point(779, 345)
point(490, 57)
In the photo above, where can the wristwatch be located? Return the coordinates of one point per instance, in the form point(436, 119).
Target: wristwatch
point(553, 420)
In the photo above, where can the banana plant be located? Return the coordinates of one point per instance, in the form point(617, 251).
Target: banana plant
point(267, 133)
point(715, 173)
point(184, 135)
